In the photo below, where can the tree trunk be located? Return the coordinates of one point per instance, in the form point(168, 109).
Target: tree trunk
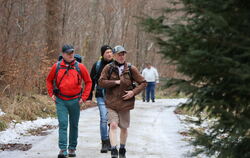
point(53, 26)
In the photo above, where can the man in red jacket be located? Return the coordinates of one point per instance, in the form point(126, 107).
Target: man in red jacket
point(64, 84)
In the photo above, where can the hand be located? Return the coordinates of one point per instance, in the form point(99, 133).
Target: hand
point(53, 97)
point(88, 101)
point(82, 104)
point(117, 82)
point(80, 101)
point(128, 95)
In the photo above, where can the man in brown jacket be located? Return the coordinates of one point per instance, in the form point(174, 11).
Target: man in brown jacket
point(117, 78)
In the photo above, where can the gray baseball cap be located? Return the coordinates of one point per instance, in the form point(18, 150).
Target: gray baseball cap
point(119, 49)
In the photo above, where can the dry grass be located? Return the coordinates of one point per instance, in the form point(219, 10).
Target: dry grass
point(25, 108)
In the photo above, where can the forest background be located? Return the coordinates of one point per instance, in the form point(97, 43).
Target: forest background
point(33, 32)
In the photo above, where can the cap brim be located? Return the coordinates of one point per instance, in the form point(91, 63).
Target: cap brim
point(122, 51)
point(69, 51)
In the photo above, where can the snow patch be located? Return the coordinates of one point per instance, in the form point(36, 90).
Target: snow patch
point(1, 112)
point(17, 131)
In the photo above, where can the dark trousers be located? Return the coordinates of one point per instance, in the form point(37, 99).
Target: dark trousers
point(150, 91)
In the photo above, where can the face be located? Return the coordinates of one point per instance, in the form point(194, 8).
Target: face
point(148, 66)
point(69, 57)
point(108, 55)
point(120, 57)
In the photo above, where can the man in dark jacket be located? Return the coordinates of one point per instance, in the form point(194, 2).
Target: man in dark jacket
point(64, 84)
point(118, 78)
point(106, 58)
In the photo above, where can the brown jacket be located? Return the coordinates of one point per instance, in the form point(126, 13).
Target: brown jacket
point(115, 92)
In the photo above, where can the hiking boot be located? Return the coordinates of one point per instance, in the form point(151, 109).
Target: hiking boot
point(105, 146)
point(72, 153)
point(114, 153)
point(122, 152)
point(109, 145)
point(62, 154)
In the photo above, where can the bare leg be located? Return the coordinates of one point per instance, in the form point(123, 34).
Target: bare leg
point(123, 135)
point(113, 133)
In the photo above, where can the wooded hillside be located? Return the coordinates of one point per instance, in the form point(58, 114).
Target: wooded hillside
point(33, 32)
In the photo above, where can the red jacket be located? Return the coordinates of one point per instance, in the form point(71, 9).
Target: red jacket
point(71, 83)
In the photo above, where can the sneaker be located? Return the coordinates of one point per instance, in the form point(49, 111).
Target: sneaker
point(72, 153)
point(114, 153)
point(62, 154)
point(105, 146)
point(122, 152)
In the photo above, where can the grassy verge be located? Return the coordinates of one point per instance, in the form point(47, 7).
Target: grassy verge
point(22, 108)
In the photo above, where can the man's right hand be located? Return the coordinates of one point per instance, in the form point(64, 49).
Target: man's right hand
point(53, 97)
point(88, 101)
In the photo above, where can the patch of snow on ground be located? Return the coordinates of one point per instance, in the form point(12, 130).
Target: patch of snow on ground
point(1, 112)
point(17, 131)
point(154, 133)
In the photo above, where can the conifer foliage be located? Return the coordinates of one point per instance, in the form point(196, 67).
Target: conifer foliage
point(209, 42)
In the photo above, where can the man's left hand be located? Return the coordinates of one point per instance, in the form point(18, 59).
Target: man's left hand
point(128, 95)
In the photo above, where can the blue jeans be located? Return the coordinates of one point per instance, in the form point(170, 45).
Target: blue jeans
point(103, 118)
point(68, 111)
point(150, 91)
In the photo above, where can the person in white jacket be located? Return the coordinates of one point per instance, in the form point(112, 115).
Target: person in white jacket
point(152, 77)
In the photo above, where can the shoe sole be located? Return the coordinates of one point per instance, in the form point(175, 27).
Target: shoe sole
point(72, 155)
point(62, 156)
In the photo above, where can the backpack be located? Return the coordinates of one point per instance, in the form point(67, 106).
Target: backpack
point(98, 65)
point(76, 56)
point(58, 67)
point(78, 59)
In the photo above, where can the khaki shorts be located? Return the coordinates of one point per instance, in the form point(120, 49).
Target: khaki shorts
point(122, 118)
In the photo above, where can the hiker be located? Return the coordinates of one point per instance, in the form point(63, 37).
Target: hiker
point(106, 58)
point(117, 78)
point(151, 76)
point(64, 84)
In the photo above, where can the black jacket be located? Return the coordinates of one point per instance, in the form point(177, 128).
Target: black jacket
point(95, 77)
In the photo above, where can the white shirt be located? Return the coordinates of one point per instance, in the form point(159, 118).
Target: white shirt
point(151, 74)
point(121, 68)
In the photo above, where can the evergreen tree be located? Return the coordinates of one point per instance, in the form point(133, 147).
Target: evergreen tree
point(210, 43)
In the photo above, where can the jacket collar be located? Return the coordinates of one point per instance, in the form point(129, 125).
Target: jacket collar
point(125, 66)
point(64, 63)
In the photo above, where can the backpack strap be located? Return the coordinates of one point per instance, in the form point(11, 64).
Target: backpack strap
point(97, 66)
point(129, 71)
point(78, 68)
point(76, 65)
point(58, 65)
point(112, 68)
